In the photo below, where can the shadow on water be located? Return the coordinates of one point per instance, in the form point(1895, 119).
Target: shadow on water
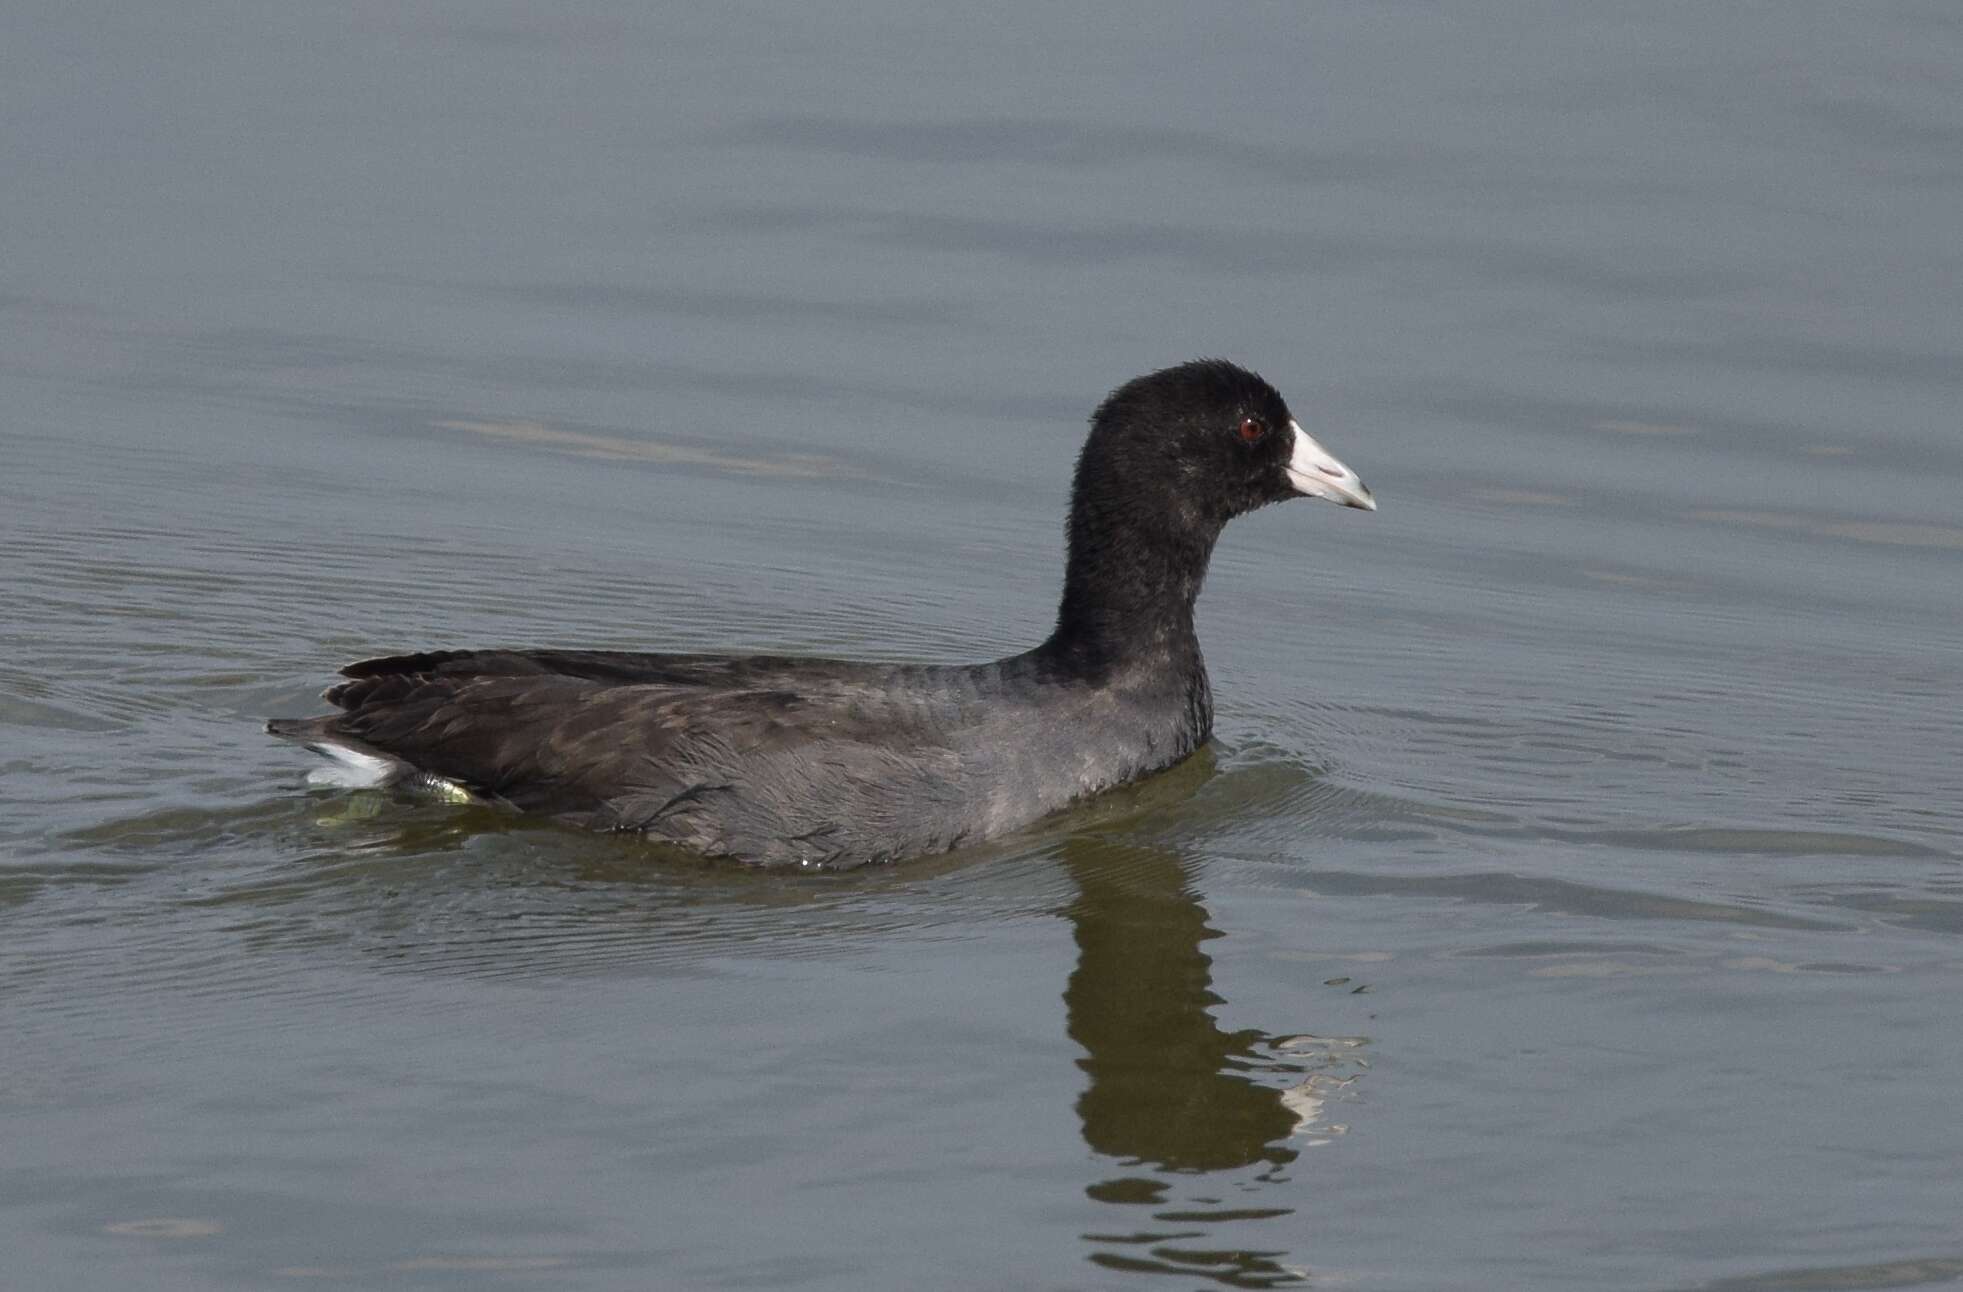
point(1174, 1100)
point(1196, 1129)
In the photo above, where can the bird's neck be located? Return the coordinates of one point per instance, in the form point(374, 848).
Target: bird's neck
point(1128, 591)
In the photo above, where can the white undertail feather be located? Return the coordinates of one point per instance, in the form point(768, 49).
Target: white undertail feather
point(352, 769)
point(348, 769)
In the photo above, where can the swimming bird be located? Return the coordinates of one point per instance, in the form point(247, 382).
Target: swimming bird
point(818, 762)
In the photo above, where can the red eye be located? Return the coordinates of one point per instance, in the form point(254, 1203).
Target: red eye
point(1253, 429)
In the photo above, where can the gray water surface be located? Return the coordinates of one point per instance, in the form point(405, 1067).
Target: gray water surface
point(1571, 899)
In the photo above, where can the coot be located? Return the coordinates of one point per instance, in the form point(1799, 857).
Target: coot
point(816, 762)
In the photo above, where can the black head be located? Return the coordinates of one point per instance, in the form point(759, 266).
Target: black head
point(1171, 458)
point(1204, 442)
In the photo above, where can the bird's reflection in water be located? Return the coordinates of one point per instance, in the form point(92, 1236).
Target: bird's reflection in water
point(1202, 1122)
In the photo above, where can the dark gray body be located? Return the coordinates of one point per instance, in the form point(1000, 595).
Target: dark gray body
point(775, 761)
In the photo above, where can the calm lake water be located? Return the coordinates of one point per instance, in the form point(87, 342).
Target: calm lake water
point(1573, 895)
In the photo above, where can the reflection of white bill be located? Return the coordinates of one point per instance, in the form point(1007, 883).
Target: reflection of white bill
point(1337, 1062)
